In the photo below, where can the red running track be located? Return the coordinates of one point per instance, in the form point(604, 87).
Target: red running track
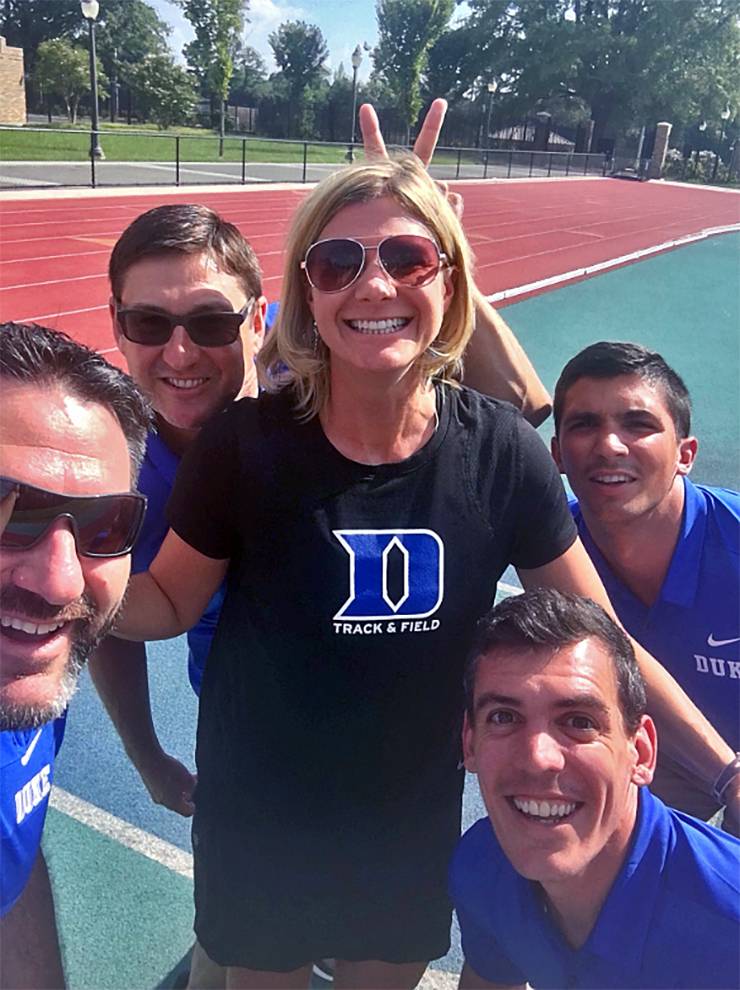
point(55, 251)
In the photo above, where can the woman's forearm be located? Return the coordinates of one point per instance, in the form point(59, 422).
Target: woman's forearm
point(497, 365)
point(148, 613)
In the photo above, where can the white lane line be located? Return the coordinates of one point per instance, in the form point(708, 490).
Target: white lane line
point(54, 281)
point(57, 314)
point(50, 257)
point(602, 266)
point(40, 184)
point(174, 858)
point(154, 848)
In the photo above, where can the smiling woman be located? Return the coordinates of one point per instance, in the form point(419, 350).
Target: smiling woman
point(364, 508)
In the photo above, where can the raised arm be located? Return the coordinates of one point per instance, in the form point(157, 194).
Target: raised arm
point(171, 596)
point(684, 732)
point(495, 362)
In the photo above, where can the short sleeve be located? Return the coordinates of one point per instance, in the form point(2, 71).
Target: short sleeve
point(545, 527)
point(483, 953)
point(201, 507)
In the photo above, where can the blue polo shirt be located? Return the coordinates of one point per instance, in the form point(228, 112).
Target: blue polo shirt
point(26, 774)
point(156, 480)
point(671, 919)
point(694, 626)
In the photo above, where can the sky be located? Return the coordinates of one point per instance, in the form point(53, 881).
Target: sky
point(344, 24)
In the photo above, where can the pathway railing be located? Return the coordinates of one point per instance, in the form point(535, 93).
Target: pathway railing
point(44, 156)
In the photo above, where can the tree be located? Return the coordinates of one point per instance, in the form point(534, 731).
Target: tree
point(407, 31)
point(127, 32)
point(165, 92)
point(218, 25)
point(628, 60)
point(64, 70)
point(300, 52)
point(26, 23)
point(250, 76)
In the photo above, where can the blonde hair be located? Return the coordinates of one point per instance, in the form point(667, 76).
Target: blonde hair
point(292, 355)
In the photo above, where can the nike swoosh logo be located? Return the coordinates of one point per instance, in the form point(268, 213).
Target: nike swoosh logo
point(29, 752)
point(721, 642)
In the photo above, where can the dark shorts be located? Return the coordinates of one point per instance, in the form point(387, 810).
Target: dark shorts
point(276, 898)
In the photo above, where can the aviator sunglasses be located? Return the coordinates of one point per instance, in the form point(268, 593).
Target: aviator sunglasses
point(153, 328)
point(103, 525)
point(411, 260)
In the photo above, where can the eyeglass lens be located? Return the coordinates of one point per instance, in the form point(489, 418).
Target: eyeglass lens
point(410, 260)
point(209, 329)
point(104, 525)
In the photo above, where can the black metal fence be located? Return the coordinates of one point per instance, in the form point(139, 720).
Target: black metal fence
point(48, 157)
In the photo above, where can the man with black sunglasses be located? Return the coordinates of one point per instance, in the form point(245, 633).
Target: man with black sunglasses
point(189, 316)
point(72, 437)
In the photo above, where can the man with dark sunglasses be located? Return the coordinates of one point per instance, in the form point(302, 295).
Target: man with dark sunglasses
point(72, 437)
point(189, 316)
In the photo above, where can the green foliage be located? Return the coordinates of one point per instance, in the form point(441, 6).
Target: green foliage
point(629, 61)
point(63, 69)
point(250, 77)
point(300, 52)
point(26, 23)
point(407, 31)
point(165, 93)
point(217, 25)
point(127, 31)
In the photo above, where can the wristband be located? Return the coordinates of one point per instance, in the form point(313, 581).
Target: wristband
point(726, 776)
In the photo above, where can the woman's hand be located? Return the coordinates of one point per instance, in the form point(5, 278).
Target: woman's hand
point(424, 146)
point(426, 142)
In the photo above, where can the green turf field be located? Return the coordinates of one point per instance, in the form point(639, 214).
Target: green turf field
point(120, 144)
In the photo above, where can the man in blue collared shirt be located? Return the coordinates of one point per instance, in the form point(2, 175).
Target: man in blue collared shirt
point(71, 440)
point(667, 551)
point(580, 877)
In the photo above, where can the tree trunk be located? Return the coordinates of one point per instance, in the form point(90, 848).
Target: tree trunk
point(221, 126)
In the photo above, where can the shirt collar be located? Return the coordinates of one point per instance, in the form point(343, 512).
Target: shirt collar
point(164, 460)
point(682, 580)
point(681, 583)
point(630, 905)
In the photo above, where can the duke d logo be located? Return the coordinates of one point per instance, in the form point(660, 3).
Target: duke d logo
point(395, 574)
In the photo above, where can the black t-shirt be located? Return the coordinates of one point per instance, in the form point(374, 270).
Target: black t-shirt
point(333, 685)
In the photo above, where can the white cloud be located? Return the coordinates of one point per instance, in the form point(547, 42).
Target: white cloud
point(265, 16)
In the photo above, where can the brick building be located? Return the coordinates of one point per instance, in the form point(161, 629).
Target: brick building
point(12, 91)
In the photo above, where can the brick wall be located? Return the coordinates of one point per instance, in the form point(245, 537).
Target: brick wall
point(12, 92)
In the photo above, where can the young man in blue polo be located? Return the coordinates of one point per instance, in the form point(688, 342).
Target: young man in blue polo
point(580, 877)
point(667, 551)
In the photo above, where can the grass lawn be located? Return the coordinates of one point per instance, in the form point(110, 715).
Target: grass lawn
point(121, 145)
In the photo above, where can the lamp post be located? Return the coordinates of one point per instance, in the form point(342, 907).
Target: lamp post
point(491, 87)
point(90, 10)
